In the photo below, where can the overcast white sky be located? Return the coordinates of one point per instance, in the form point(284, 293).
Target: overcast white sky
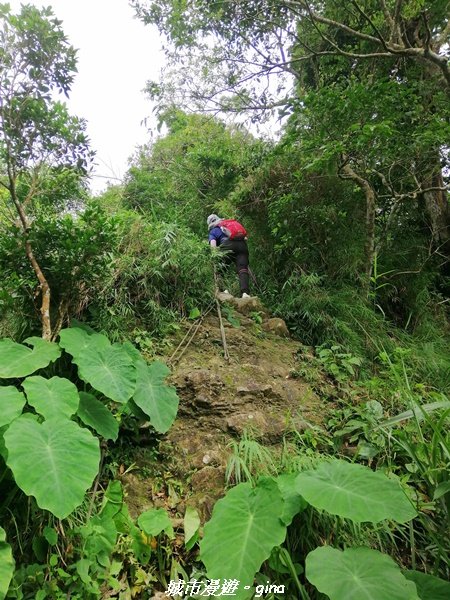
point(117, 54)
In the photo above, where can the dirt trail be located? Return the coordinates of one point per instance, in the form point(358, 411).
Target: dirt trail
point(254, 390)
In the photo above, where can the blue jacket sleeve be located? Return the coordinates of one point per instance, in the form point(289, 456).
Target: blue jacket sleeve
point(215, 234)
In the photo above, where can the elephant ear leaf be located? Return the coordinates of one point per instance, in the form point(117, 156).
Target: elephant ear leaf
point(52, 397)
point(6, 564)
point(246, 525)
point(293, 502)
point(429, 587)
point(11, 404)
point(76, 341)
point(107, 368)
point(109, 371)
point(65, 461)
point(357, 573)
point(355, 492)
point(17, 360)
point(96, 415)
point(153, 396)
point(154, 521)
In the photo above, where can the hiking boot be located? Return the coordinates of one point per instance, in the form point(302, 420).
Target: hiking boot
point(245, 295)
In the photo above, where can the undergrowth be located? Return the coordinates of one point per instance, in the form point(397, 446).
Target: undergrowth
point(391, 422)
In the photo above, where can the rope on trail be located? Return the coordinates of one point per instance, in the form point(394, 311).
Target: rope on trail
point(174, 359)
point(184, 345)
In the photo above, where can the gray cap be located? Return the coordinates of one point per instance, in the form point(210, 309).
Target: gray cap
point(212, 221)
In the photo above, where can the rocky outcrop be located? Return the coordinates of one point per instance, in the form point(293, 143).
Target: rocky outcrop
point(221, 400)
point(277, 326)
point(245, 306)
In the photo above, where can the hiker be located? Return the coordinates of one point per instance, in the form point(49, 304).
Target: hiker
point(231, 237)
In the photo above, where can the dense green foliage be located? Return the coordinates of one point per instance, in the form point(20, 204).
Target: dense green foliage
point(351, 205)
point(44, 151)
point(349, 234)
point(43, 417)
point(251, 522)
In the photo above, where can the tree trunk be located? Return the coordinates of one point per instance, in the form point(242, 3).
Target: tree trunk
point(438, 209)
point(369, 194)
point(43, 283)
point(45, 291)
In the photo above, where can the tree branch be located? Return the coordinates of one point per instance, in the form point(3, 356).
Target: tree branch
point(371, 23)
point(347, 172)
point(428, 32)
point(388, 17)
point(43, 283)
point(397, 12)
point(391, 47)
point(318, 18)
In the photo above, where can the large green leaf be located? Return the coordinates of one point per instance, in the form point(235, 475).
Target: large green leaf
point(357, 574)
point(16, 360)
point(3, 450)
point(293, 502)
point(154, 397)
point(76, 341)
point(108, 368)
point(95, 414)
point(6, 564)
point(355, 492)
point(52, 397)
point(134, 353)
point(154, 521)
point(244, 528)
point(113, 505)
point(428, 586)
point(55, 461)
point(11, 404)
point(110, 371)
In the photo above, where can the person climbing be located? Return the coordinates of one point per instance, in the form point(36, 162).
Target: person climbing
point(231, 237)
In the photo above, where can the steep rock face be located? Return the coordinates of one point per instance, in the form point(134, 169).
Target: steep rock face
point(253, 391)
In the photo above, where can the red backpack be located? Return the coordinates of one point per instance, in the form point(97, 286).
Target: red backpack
point(233, 229)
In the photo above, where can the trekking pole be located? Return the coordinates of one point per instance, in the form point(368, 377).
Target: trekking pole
point(219, 312)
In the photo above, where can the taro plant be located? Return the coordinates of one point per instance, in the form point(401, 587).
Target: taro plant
point(50, 430)
point(250, 522)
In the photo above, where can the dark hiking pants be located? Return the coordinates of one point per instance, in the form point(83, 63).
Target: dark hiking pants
point(236, 251)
